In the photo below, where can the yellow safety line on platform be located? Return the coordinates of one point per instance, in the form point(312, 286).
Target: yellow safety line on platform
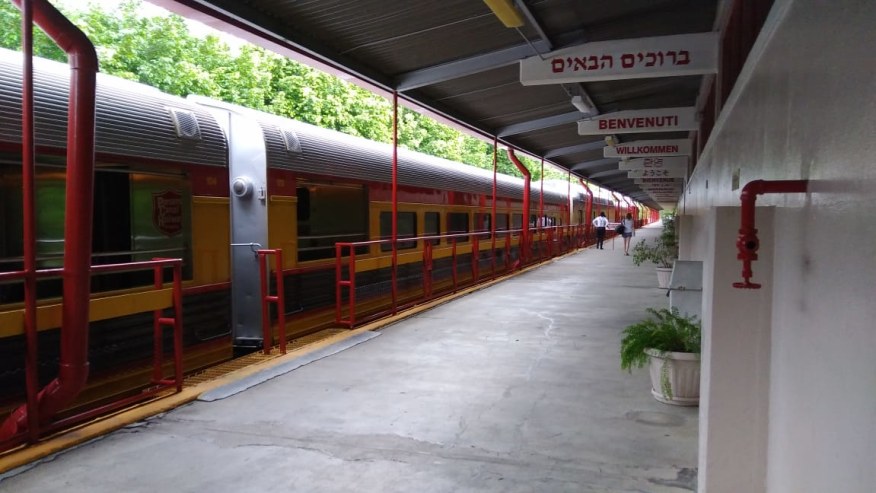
point(102, 426)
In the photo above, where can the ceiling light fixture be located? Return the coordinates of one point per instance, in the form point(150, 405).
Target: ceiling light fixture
point(506, 12)
point(583, 105)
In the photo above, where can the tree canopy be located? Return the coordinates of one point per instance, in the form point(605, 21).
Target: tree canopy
point(160, 51)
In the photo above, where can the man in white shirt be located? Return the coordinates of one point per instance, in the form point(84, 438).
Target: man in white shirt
point(600, 222)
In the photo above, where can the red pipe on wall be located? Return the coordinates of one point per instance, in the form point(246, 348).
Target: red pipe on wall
point(73, 365)
point(524, 234)
point(747, 242)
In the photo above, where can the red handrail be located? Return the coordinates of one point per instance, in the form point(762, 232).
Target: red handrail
point(279, 299)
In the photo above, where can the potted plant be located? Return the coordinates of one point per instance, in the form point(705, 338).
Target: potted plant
point(662, 252)
point(670, 343)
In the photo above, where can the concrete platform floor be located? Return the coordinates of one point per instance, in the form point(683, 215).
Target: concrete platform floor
point(514, 388)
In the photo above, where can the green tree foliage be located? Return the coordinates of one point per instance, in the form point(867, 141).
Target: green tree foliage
point(161, 52)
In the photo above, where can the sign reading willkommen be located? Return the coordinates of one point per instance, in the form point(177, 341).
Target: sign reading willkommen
point(648, 148)
point(664, 56)
point(637, 121)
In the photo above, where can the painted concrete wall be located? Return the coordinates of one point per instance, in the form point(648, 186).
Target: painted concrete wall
point(804, 107)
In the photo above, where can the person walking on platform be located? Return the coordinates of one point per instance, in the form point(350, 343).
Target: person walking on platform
point(600, 222)
point(629, 229)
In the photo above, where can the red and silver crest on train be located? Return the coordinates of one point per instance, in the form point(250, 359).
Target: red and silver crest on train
point(167, 212)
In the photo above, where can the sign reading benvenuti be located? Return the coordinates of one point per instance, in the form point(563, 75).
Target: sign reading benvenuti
point(638, 121)
point(664, 56)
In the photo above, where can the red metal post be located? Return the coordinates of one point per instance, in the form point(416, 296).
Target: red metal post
point(524, 234)
point(453, 262)
point(31, 366)
point(280, 301)
point(541, 211)
point(73, 365)
point(493, 219)
point(588, 209)
point(157, 339)
point(267, 337)
point(427, 269)
point(475, 259)
point(177, 326)
point(747, 242)
point(394, 202)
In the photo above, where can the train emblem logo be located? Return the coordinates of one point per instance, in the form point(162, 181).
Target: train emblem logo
point(167, 212)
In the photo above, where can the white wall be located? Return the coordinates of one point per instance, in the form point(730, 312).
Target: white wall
point(805, 107)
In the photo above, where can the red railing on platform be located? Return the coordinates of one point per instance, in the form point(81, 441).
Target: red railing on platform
point(268, 298)
point(553, 241)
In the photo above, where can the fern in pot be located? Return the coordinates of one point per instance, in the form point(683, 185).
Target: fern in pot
point(670, 344)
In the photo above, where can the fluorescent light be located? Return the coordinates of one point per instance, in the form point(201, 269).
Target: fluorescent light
point(583, 105)
point(506, 12)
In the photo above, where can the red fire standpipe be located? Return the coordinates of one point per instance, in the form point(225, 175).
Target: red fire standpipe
point(524, 234)
point(73, 365)
point(588, 209)
point(747, 242)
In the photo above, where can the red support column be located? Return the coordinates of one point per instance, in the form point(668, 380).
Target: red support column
point(394, 202)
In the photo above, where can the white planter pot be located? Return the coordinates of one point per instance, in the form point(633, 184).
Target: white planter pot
point(679, 373)
point(663, 276)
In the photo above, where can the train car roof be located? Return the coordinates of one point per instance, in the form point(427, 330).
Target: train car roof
point(317, 151)
point(133, 120)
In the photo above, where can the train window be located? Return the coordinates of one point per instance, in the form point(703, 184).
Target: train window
point(457, 222)
point(407, 228)
point(580, 214)
point(516, 222)
point(136, 217)
point(501, 223)
point(432, 225)
point(483, 224)
point(328, 214)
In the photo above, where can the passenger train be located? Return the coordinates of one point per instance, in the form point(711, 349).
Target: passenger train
point(212, 183)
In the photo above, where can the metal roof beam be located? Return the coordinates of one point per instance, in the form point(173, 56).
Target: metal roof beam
point(521, 5)
point(609, 172)
point(587, 146)
point(589, 164)
point(466, 66)
point(531, 125)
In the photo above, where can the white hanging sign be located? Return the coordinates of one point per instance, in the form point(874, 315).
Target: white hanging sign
point(638, 121)
point(663, 56)
point(657, 173)
point(653, 162)
point(645, 148)
point(655, 181)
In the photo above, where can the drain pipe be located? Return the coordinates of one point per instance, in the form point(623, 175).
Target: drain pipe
point(616, 206)
point(588, 209)
point(73, 365)
point(747, 242)
point(524, 235)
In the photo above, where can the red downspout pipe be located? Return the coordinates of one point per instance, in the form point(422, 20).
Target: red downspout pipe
point(73, 365)
point(394, 202)
point(616, 206)
point(524, 234)
point(588, 209)
point(747, 242)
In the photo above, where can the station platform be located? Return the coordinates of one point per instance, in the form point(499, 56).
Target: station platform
point(515, 387)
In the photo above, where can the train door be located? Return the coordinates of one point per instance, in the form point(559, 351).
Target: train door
point(247, 171)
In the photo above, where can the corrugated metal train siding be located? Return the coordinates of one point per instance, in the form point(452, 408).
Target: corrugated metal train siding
point(330, 153)
point(131, 119)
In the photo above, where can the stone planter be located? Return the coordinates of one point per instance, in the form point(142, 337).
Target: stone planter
point(663, 276)
point(675, 377)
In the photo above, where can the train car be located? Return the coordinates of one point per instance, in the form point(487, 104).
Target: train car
point(212, 184)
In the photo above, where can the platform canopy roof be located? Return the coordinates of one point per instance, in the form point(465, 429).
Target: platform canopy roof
point(458, 60)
